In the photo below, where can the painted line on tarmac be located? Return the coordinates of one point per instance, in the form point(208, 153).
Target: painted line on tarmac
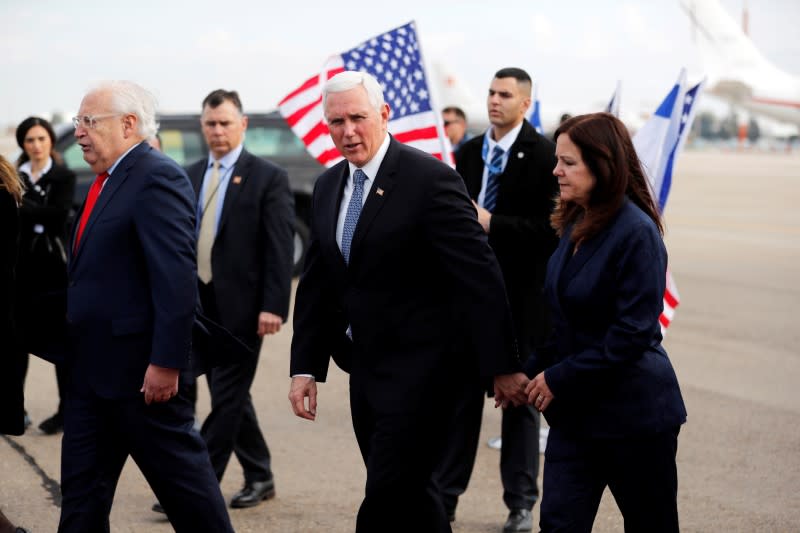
point(50, 485)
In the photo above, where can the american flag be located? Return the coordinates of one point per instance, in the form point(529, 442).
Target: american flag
point(395, 59)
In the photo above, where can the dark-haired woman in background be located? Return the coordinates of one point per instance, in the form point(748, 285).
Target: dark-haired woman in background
point(11, 363)
point(604, 382)
point(41, 266)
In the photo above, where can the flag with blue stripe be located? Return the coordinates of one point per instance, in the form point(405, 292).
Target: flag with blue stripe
point(536, 118)
point(687, 117)
point(658, 136)
point(613, 104)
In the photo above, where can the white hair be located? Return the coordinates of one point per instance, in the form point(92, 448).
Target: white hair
point(344, 81)
point(130, 98)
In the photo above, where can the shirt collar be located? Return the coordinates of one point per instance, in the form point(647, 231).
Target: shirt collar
point(27, 167)
point(117, 162)
point(229, 159)
point(507, 140)
point(374, 164)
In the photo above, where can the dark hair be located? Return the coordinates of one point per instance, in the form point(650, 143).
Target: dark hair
point(608, 152)
point(216, 97)
point(457, 111)
point(23, 129)
point(513, 72)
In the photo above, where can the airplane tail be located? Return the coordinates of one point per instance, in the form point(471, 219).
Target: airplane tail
point(727, 53)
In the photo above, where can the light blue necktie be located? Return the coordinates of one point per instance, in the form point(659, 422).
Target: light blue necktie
point(353, 210)
point(493, 181)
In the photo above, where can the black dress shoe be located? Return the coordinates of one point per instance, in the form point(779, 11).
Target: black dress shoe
point(518, 520)
point(157, 508)
point(451, 516)
point(253, 493)
point(53, 425)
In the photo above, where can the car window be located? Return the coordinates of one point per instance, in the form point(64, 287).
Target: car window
point(271, 141)
point(183, 146)
point(73, 157)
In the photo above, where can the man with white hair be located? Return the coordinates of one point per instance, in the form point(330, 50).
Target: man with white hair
point(399, 275)
point(131, 300)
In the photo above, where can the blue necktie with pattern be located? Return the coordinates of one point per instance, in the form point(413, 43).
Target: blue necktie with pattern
point(353, 210)
point(493, 180)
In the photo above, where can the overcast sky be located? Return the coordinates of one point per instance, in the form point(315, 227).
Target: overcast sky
point(52, 50)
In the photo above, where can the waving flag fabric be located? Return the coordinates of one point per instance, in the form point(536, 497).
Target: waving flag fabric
point(395, 59)
point(687, 117)
point(657, 144)
point(536, 118)
point(658, 136)
point(613, 104)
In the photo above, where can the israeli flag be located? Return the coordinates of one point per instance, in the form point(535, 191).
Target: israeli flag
point(687, 117)
point(655, 141)
point(535, 118)
point(613, 104)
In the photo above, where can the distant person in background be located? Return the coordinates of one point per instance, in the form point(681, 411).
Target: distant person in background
point(455, 126)
point(42, 260)
point(12, 365)
point(508, 172)
point(603, 381)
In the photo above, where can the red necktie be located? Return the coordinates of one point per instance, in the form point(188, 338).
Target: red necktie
point(91, 199)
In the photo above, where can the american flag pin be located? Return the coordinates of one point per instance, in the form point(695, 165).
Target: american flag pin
point(379, 191)
point(237, 180)
point(520, 155)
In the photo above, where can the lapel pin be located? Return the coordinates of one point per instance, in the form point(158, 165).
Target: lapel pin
point(379, 191)
point(520, 155)
point(237, 180)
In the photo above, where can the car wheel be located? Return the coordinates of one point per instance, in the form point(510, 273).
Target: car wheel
point(301, 235)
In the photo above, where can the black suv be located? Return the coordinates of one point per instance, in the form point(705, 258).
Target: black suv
point(267, 136)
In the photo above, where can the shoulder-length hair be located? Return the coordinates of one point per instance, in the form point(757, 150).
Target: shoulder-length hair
point(9, 179)
point(607, 150)
point(23, 129)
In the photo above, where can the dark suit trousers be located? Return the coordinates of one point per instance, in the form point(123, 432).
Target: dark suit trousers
point(519, 456)
point(400, 450)
point(640, 472)
point(100, 434)
point(232, 425)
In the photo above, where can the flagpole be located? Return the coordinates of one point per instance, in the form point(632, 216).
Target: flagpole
point(447, 152)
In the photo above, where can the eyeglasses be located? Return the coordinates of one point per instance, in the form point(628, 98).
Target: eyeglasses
point(454, 121)
point(90, 121)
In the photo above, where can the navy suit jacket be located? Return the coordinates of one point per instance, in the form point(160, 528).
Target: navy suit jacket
point(605, 365)
point(132, 285)
point(421, 280)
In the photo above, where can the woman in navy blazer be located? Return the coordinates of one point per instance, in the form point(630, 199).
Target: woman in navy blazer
point(603, 381)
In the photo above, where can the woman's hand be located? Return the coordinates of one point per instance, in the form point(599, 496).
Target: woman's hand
point(539, 394)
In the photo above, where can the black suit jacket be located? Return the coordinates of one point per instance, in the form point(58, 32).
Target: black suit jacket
point(520, 233)
point(41, 266)
point(252, 256)
point(12, 374)
point(421, 277)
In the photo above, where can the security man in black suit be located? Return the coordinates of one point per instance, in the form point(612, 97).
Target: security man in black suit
point(508, 172)
point(244, 264)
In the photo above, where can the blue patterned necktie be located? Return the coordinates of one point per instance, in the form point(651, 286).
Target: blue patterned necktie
point(353, 210)
point(493, 181)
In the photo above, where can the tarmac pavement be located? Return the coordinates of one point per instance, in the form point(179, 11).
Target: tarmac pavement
point(733, 234)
